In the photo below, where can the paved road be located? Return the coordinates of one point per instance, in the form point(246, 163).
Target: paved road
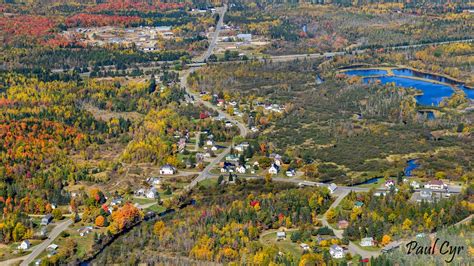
point(283, 58)
point(352, 247)
point(197, 100)
point(212, 44)
point(41, 247)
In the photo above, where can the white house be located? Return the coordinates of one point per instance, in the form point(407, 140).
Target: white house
point(414, 184)
point(154, 181)
point(367, 242)
point(426, 195)
point(290, 172)
point(332, 187)
point(209, 142)
point(390, 183)
point(336, 252)
point(167, 170)
point(46, 219)
point(241, 169)
point(151, 193)
point(214, 148)
point(304, 246)
point(281, 235)
point(246, 37)
point(436, 185)
point(228, 124)
point(242, 147)
point(24, 245)
point(52, 247)
point(274, 169)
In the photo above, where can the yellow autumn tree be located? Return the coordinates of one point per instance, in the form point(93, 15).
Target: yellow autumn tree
point(386, 239)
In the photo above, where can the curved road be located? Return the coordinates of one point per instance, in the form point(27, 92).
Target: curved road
point(41, 247)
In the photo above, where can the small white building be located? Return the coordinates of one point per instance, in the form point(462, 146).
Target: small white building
point(436, 185)
point(214, 148)
point(241, 169)
point(281, 235)
point(332, 187)
point(336, 252)
point(367, 242)
point(389, 183)
point(167, 169)
point(209, 142)
point(242, 147)
point(154, 181)
point(24, 245)
point(290, 172)
point(245, 37)
point(274, 169)
point(151, 193)
point(304, 246)
point(415, 184)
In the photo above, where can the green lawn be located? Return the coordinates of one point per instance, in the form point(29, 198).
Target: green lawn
point(285, 246)
point(367, 248)
point(156, 208)
point(210, 182)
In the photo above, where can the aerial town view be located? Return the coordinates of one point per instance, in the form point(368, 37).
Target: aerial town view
point(237, 132)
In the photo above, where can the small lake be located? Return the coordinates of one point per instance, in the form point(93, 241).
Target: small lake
point(433, 93)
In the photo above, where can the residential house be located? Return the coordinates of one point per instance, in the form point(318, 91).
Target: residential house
point(290, 172)
point(167, 169)
point(378, 194)
point(85, 230)
point(228, 124)
point(274, 169)
point(389, 183)
point(414, 184)
point(242, 147)
point(336, 252)
point(24, 245)
point(245, 37)
point(241, 169)
point(358, 204)
point(232, 158)
point(154, 181)
point(436, 185)
point(46, 219)
point(391, 246)
point(342, 224)
point(181, 144)
point(151, 193)
point(52, 247)
point(214, 148)
point(367, 242)
point(332, 187)
point(304, 246)
point(116, 201)
point(140, 192)
point(281, 235)
point(209, 142)
point(227, 167)
point(425, 195)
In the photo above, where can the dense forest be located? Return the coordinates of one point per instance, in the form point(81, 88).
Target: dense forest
point(224, 225)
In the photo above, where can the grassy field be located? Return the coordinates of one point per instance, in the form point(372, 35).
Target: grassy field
point(285, 246)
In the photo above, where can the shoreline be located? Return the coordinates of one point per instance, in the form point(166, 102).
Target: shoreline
point(389, 70)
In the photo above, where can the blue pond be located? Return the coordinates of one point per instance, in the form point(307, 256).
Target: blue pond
point(411, 165)
point(433, 93)
point(366, 72)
